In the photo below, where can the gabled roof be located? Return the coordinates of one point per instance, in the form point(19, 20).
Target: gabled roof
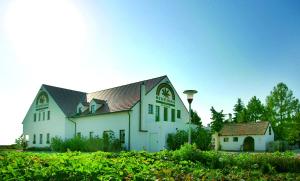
point(116, 99)
point(66, 99)
point(238, 129)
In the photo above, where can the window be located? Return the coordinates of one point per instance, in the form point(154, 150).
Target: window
point(178, 114)
point(79, 134)
point(122, 136)
point(48, 117)
point(91, 134)
point(165, 114)
point(34, 117)
point(39, 116)
point(34, 139)
point(270, 131)
point(150, 109)
point(226, 139)
point(48, 138)
point(93, 108)
point(79, 111)
point(173, 115)
point(235, 139)
point(41, 138)
point(157, 113)
point(43, 116)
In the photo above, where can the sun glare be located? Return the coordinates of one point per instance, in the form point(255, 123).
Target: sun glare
point(43, 31)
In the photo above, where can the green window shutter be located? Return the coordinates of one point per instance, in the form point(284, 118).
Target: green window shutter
point(165, 114)
point(173, 115)
point(157, 113)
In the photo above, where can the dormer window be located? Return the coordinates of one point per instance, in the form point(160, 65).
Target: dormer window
point(82, 107)
point(79, 111)
point(93, 109)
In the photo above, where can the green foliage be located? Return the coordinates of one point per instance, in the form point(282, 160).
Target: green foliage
point(277, 146)
point(107, 143)
point(188, 163)
point(217, 120)
point(255, 110)
point(196, 118)
point(21, 143)
point(282, 109)
point(238, 108)
point(200, 137)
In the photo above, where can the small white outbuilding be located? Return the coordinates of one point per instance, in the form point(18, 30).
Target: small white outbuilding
point(252, 136)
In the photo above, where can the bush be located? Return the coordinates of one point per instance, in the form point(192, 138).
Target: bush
point(200, 136)
point(107, 143)
point(277, 146)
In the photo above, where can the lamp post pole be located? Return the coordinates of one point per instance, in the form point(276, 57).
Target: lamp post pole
point(190, 94)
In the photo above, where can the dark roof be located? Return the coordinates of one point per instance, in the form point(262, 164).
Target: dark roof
point(98, 101)
point(237, 129)
point(66, 99)
point(116, 99)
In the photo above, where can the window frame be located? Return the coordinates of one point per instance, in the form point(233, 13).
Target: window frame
point(235, 139)
point(226, 139)
point(270, 130)
point(41, 138)
point(34, 139)
point(172, 115)
point(178, 114)
point(48, 115)
point(48, 138)
point(157, 113)
point(122, 136)
point(34, 117)
point(150, 108)
point(166, 112)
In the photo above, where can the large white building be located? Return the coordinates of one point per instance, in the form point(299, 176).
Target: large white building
point(252, 136)
point(141, 114)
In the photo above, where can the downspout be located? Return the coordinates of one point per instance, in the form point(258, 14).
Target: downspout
point(140, 116)
point(129, 130)
point(70, 119)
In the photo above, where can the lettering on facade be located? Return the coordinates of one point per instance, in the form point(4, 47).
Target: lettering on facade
point(42, 101)
point(165, 95)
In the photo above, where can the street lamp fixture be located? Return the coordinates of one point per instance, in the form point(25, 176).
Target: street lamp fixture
point(190, 95)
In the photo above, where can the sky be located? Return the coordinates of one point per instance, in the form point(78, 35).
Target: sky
point(223, 49)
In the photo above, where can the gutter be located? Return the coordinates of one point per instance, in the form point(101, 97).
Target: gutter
point(129, 126)
point(74, 125)
point(140, 116)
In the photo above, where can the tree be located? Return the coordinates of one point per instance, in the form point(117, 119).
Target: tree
point(282, 108)
point(238, 108)
point(217, 120)
point(255, 110)
point(196, 119)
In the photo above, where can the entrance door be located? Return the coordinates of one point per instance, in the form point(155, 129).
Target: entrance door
point(153, 147)
point(249, 144)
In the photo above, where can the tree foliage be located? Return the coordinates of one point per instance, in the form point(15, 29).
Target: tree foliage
point(255, 110)
point(217, 120)
point(238, 108)
point(282, 111)
point(196, 118)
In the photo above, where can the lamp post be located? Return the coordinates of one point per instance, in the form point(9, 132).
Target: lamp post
point(190, 95)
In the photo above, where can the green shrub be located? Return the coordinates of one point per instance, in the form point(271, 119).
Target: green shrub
point(277, 146)
point(107, 143)
point(199, 136)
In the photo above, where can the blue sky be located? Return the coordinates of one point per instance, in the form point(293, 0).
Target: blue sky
point(223, 49)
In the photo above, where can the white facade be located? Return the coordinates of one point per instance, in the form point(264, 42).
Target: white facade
point(236, 142)
point(142, 130)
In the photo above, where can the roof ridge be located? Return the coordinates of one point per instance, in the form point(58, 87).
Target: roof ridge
point(63, 88)
point(127, 84)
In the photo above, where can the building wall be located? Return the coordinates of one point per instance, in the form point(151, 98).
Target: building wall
point(105, 122)
point(55, 126)
point(260, 141)
point(154, 139)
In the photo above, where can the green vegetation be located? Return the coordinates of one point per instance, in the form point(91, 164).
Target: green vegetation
point(200, 136)
point(281, 108)
point(187, 163)
point(108, 142)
